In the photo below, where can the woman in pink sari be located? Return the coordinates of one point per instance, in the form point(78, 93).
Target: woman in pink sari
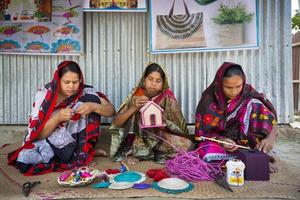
point(233, 111)
point(64, 124)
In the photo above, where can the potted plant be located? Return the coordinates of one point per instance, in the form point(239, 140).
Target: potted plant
point(230, 21)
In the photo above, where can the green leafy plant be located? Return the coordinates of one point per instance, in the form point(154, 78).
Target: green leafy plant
point(235, 15)
point(296, 20)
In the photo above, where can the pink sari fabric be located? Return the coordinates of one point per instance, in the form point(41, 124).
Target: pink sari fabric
point(246, 119)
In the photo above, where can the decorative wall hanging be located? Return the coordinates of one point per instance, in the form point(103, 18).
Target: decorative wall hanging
point(44, 27)
point(115, 5)
point(202, 25)
point(25, 10)
point(179, 31)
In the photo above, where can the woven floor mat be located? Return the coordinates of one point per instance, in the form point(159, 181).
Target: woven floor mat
point(282, 185)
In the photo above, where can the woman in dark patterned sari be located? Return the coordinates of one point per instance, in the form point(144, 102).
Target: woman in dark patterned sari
point(127, 136)
point(233, 111)
point(64, 124)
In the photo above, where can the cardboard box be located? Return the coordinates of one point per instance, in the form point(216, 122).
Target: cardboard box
point(257, 164)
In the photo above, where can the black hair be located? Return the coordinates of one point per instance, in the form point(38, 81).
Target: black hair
point(71, 66)
point(233, 70)
point(155, 68)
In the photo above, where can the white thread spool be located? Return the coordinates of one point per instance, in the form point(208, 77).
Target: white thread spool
point(235, 172)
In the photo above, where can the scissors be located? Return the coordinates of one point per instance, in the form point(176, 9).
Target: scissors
point(220, 179)
point(26, 189)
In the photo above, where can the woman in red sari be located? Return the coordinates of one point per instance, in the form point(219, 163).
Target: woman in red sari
point(64, 124)
point(233, 111)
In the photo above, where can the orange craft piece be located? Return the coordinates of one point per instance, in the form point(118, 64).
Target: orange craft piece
point(139, 92)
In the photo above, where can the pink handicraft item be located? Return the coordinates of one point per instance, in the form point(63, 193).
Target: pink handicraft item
point(79, 177)
point(151, 116)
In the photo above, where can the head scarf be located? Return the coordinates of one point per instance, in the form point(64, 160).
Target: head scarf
point(139, 89)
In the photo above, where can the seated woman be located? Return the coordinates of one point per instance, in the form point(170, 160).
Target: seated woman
point(149, 143)
point(64, 124)
point(233, 111)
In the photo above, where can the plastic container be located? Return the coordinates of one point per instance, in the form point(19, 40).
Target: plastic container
point(235, 172)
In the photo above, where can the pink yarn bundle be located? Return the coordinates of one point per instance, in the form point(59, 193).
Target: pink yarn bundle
point(189, 166)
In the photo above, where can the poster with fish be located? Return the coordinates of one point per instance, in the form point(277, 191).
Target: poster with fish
point(59, 34)
point(66, 26)
point(114, 5)
point(10, 36)
point(37, 37)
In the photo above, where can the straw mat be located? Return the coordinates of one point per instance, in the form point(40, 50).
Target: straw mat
point(282, 185)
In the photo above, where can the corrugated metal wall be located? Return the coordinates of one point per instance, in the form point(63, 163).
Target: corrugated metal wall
point(117, 49)
point(296, 71)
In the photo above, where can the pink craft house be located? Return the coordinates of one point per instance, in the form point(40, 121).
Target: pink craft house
point(151, 115)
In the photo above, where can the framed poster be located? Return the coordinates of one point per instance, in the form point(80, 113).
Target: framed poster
point(203, 25)
point(51, 27)
point(114, 6)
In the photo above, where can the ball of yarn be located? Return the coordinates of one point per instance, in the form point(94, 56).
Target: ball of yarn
point(157, 174)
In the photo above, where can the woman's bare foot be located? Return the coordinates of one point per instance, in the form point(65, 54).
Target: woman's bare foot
point(100, 153)
point(273, 167)
point(273, 164)
point(132, 160)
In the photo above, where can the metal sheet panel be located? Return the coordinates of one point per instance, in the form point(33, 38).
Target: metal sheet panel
point(117, 49)
point(296, 70)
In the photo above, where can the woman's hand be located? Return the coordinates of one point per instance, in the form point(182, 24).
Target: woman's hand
point(139, 101)
point(266, 145)
point(64, 115)
point(228, 147)
point(86, 108)
point(136, 103)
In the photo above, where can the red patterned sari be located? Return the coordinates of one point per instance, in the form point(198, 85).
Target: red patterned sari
point(71, 144)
